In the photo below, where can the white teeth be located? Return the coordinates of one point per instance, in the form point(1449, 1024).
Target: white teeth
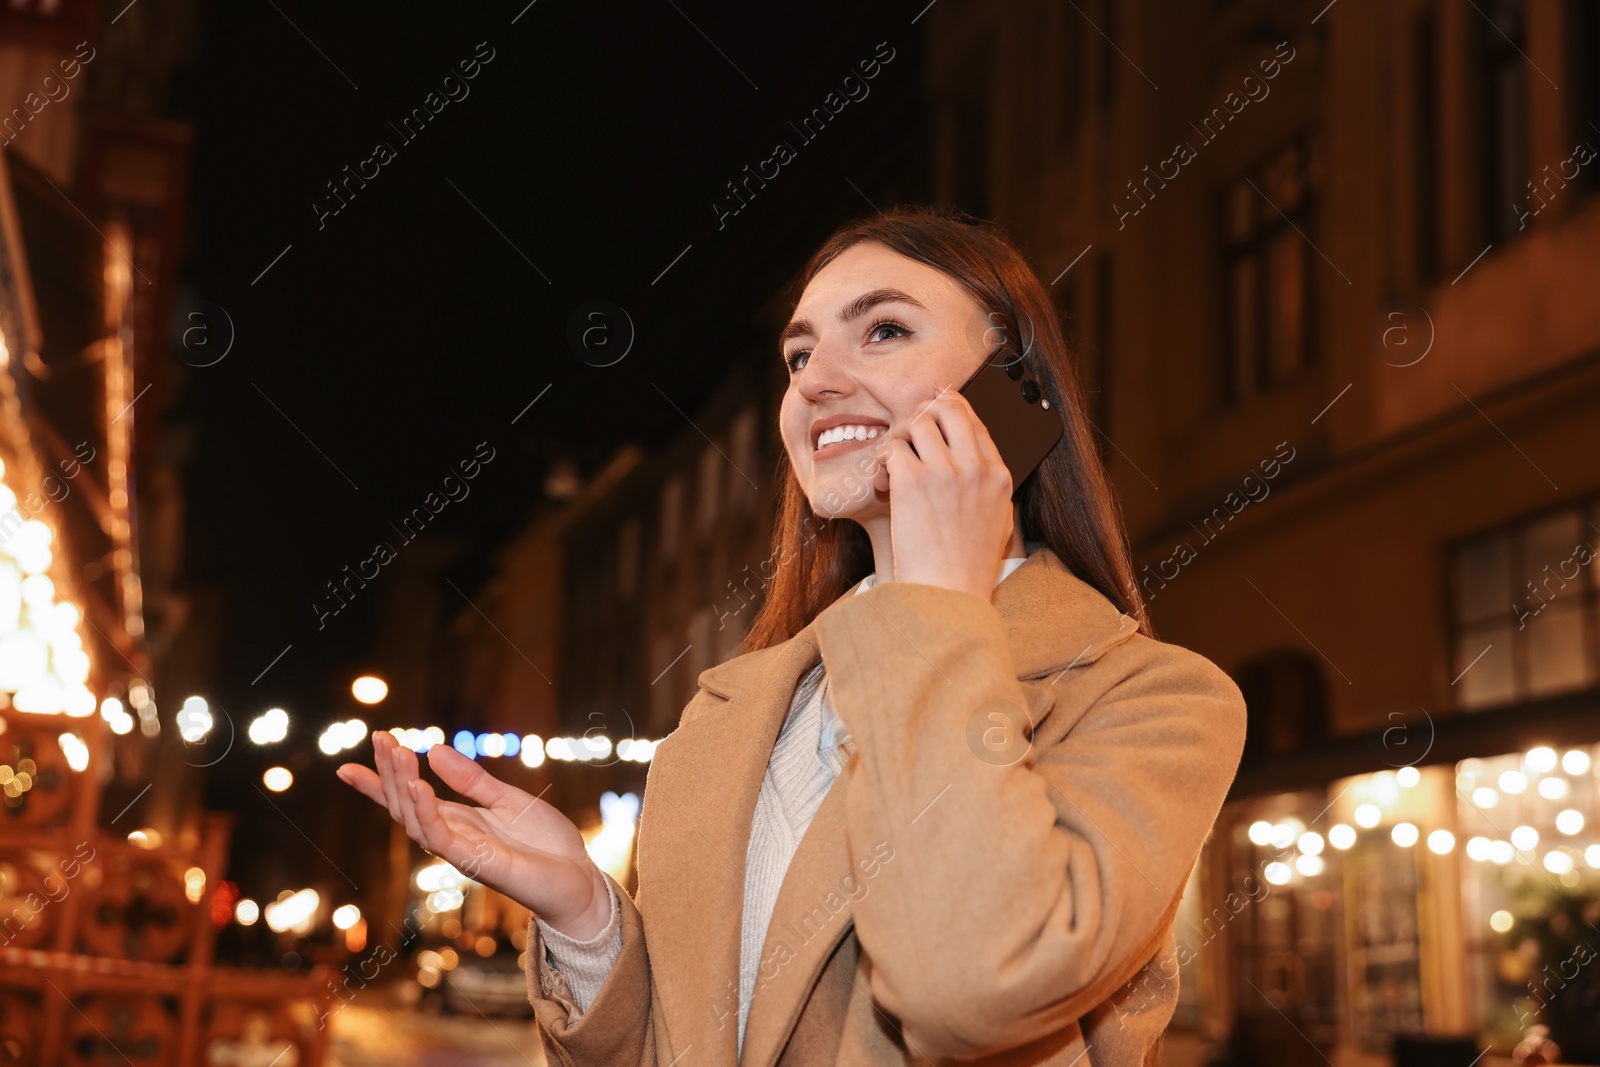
point(846, 433)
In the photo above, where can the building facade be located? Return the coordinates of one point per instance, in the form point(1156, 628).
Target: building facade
point(1329, 270)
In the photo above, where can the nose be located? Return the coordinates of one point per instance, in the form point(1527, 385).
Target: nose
point(826, 373)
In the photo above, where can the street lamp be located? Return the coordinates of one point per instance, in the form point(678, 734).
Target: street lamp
point(369, 689)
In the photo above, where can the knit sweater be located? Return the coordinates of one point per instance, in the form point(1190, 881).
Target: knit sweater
point(810, 752)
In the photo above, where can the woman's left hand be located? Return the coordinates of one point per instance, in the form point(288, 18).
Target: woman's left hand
point(950, 510)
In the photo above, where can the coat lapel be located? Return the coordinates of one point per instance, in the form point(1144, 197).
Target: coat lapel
point(813, 912)
point(705, 791)
point(702, 791)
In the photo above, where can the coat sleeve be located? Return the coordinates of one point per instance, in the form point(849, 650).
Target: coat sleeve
point(586, 964)
point(1024, 895)
point(616, 1030)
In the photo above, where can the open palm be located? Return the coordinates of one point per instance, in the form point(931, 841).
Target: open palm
point(509, 841)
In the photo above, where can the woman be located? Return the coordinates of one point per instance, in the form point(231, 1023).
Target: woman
point(967, 787)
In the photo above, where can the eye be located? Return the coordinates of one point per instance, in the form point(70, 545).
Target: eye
point(792, 360)
point(887, 324)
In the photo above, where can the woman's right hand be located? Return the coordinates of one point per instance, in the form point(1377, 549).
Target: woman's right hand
point(515, 843)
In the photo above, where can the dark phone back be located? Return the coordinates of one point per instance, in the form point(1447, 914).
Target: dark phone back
point(1024, 431)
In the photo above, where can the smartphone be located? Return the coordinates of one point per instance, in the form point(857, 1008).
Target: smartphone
point(1016, 413)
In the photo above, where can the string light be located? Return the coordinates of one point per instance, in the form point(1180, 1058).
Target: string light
point(75, 750)
point(42, 660)
point(342, 735)
point(270, 727)
point(1542, 759)
point(1552, 788)
point(194, 720)
point(293, 911)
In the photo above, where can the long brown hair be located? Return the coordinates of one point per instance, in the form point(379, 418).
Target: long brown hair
point(1066, 503)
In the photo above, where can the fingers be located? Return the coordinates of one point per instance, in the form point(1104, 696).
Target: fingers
point(452, 828)
point(928, 432)
point(952, 413)
point(426, 804)
point(982, 439)
point(364, 781)
point(405, 762)
point(382, 745)
point(467, 777)
point(411, 802)
point(967, 446)
point(431, 832)
point(441, 838)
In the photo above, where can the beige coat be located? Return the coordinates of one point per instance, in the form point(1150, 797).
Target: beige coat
point(961, 894)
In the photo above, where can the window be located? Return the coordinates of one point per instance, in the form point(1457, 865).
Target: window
point(1527, 823)
point(742, 451)
point(1426, 144)
point(1523, 609)
point(1281, 923)
point(1071, 67)
point(709, 488)
point(1583, 72)
point(1286, 705)
point(670, 682)
point(671, 516)
point(1384, 950)
point(970, 149)
point(1502, 97)
point(628, 559)
point(1108, 55)
point(1268, 270)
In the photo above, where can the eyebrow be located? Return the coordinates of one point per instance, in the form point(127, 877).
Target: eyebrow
point(856, 308)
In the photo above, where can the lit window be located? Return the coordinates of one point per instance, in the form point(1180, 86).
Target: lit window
point(1523, 609)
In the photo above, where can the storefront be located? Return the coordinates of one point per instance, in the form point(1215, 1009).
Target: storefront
point(1455, 898)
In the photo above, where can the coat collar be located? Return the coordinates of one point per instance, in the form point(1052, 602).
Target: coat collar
point(1053, 619)
point(702, 796)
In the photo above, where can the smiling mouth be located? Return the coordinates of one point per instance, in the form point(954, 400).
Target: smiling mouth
point(834, 441)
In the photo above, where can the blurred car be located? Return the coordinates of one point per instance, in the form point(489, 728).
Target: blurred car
point(493, 985)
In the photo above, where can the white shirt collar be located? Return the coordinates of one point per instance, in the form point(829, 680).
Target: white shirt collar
point(1009, 564)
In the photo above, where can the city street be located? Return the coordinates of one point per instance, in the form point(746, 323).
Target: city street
point(573, 486)
point(385, 1028)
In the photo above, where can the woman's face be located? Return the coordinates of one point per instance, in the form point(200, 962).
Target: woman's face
point(874, 336)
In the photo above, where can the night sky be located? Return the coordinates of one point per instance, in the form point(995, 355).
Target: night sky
point(377, 343)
